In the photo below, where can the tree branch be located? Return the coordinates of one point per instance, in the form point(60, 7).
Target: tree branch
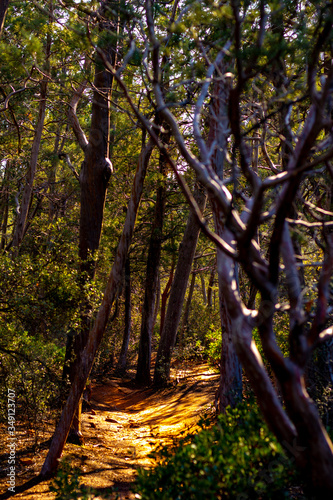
point(323, 293)
point(73, 119)
point(71, 166)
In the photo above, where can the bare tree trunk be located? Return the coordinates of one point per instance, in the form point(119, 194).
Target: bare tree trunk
point(230, 386)
point(165, 295)
point(153, 264)
point(95, 173)
point(158, 299)
point(3, 12)
point(4, 205)
point(121, 366)
point(210, 287)
point(203, 288)
point(177, 294)
point(95, 335)
point(30, 176)
point(229, 392)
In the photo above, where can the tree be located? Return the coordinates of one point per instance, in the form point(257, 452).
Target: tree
point(122, 361)
point(177, 294)
point(248, 104)
point(96, 333)
point(152, 273)
point(230, 387)
point(298, 427)
point(3, 12)
point(21, 223)
point(94, 177)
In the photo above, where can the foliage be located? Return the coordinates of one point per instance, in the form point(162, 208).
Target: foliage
point(276, 60)
point(39, 300)
point(31, 367)
point(66, 485)
point(237, 457)
point(214, 345)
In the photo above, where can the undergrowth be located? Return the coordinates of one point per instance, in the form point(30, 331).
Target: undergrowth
point(237, 458)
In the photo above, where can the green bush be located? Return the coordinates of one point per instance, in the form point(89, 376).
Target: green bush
point(66, 485)
point(38, 304)
point(235, 458)
point(214, 345)
point(25, 367)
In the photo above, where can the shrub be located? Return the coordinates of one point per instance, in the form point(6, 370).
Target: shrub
point(25, 367)
point(66, 485)
point(235, 458)
point(214, 345)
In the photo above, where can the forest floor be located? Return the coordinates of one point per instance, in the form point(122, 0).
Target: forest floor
point(123, 425)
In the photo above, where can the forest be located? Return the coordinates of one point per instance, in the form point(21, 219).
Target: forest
point(166, 204)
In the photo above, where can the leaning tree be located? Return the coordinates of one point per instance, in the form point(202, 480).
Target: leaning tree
point(253, 81)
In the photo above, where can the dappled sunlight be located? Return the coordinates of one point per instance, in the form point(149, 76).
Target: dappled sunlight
point(125, 424)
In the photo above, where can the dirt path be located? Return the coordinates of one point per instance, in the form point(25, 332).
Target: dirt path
point(121, 428)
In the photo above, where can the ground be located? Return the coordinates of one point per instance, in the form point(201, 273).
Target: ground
point(122, 427)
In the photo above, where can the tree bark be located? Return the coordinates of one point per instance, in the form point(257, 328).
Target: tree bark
point(3, 12)
point(96, 334)
point(153, 263)
point(210, 287)
point(30, 176)
point(177, 294)
point(230, 387)
point(165, 295)
point(95, 173)
point(4, 205)
point(229, 392)
point(121, 365)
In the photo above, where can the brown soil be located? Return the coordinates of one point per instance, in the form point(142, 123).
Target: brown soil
point(122, 427)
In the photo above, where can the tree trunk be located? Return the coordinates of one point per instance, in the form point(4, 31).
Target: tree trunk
point(4, 205)
point(229, 392)
point(177, 294)
point(158, 299)
point(203, 288)
point(95, 173)
point(151, 284)
point(165, 296)
point(210, 287)
point(96, 334)
point(30, 176)
point(3, 12)
point(121, 366)
point(230, 386)
point(184, 328)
